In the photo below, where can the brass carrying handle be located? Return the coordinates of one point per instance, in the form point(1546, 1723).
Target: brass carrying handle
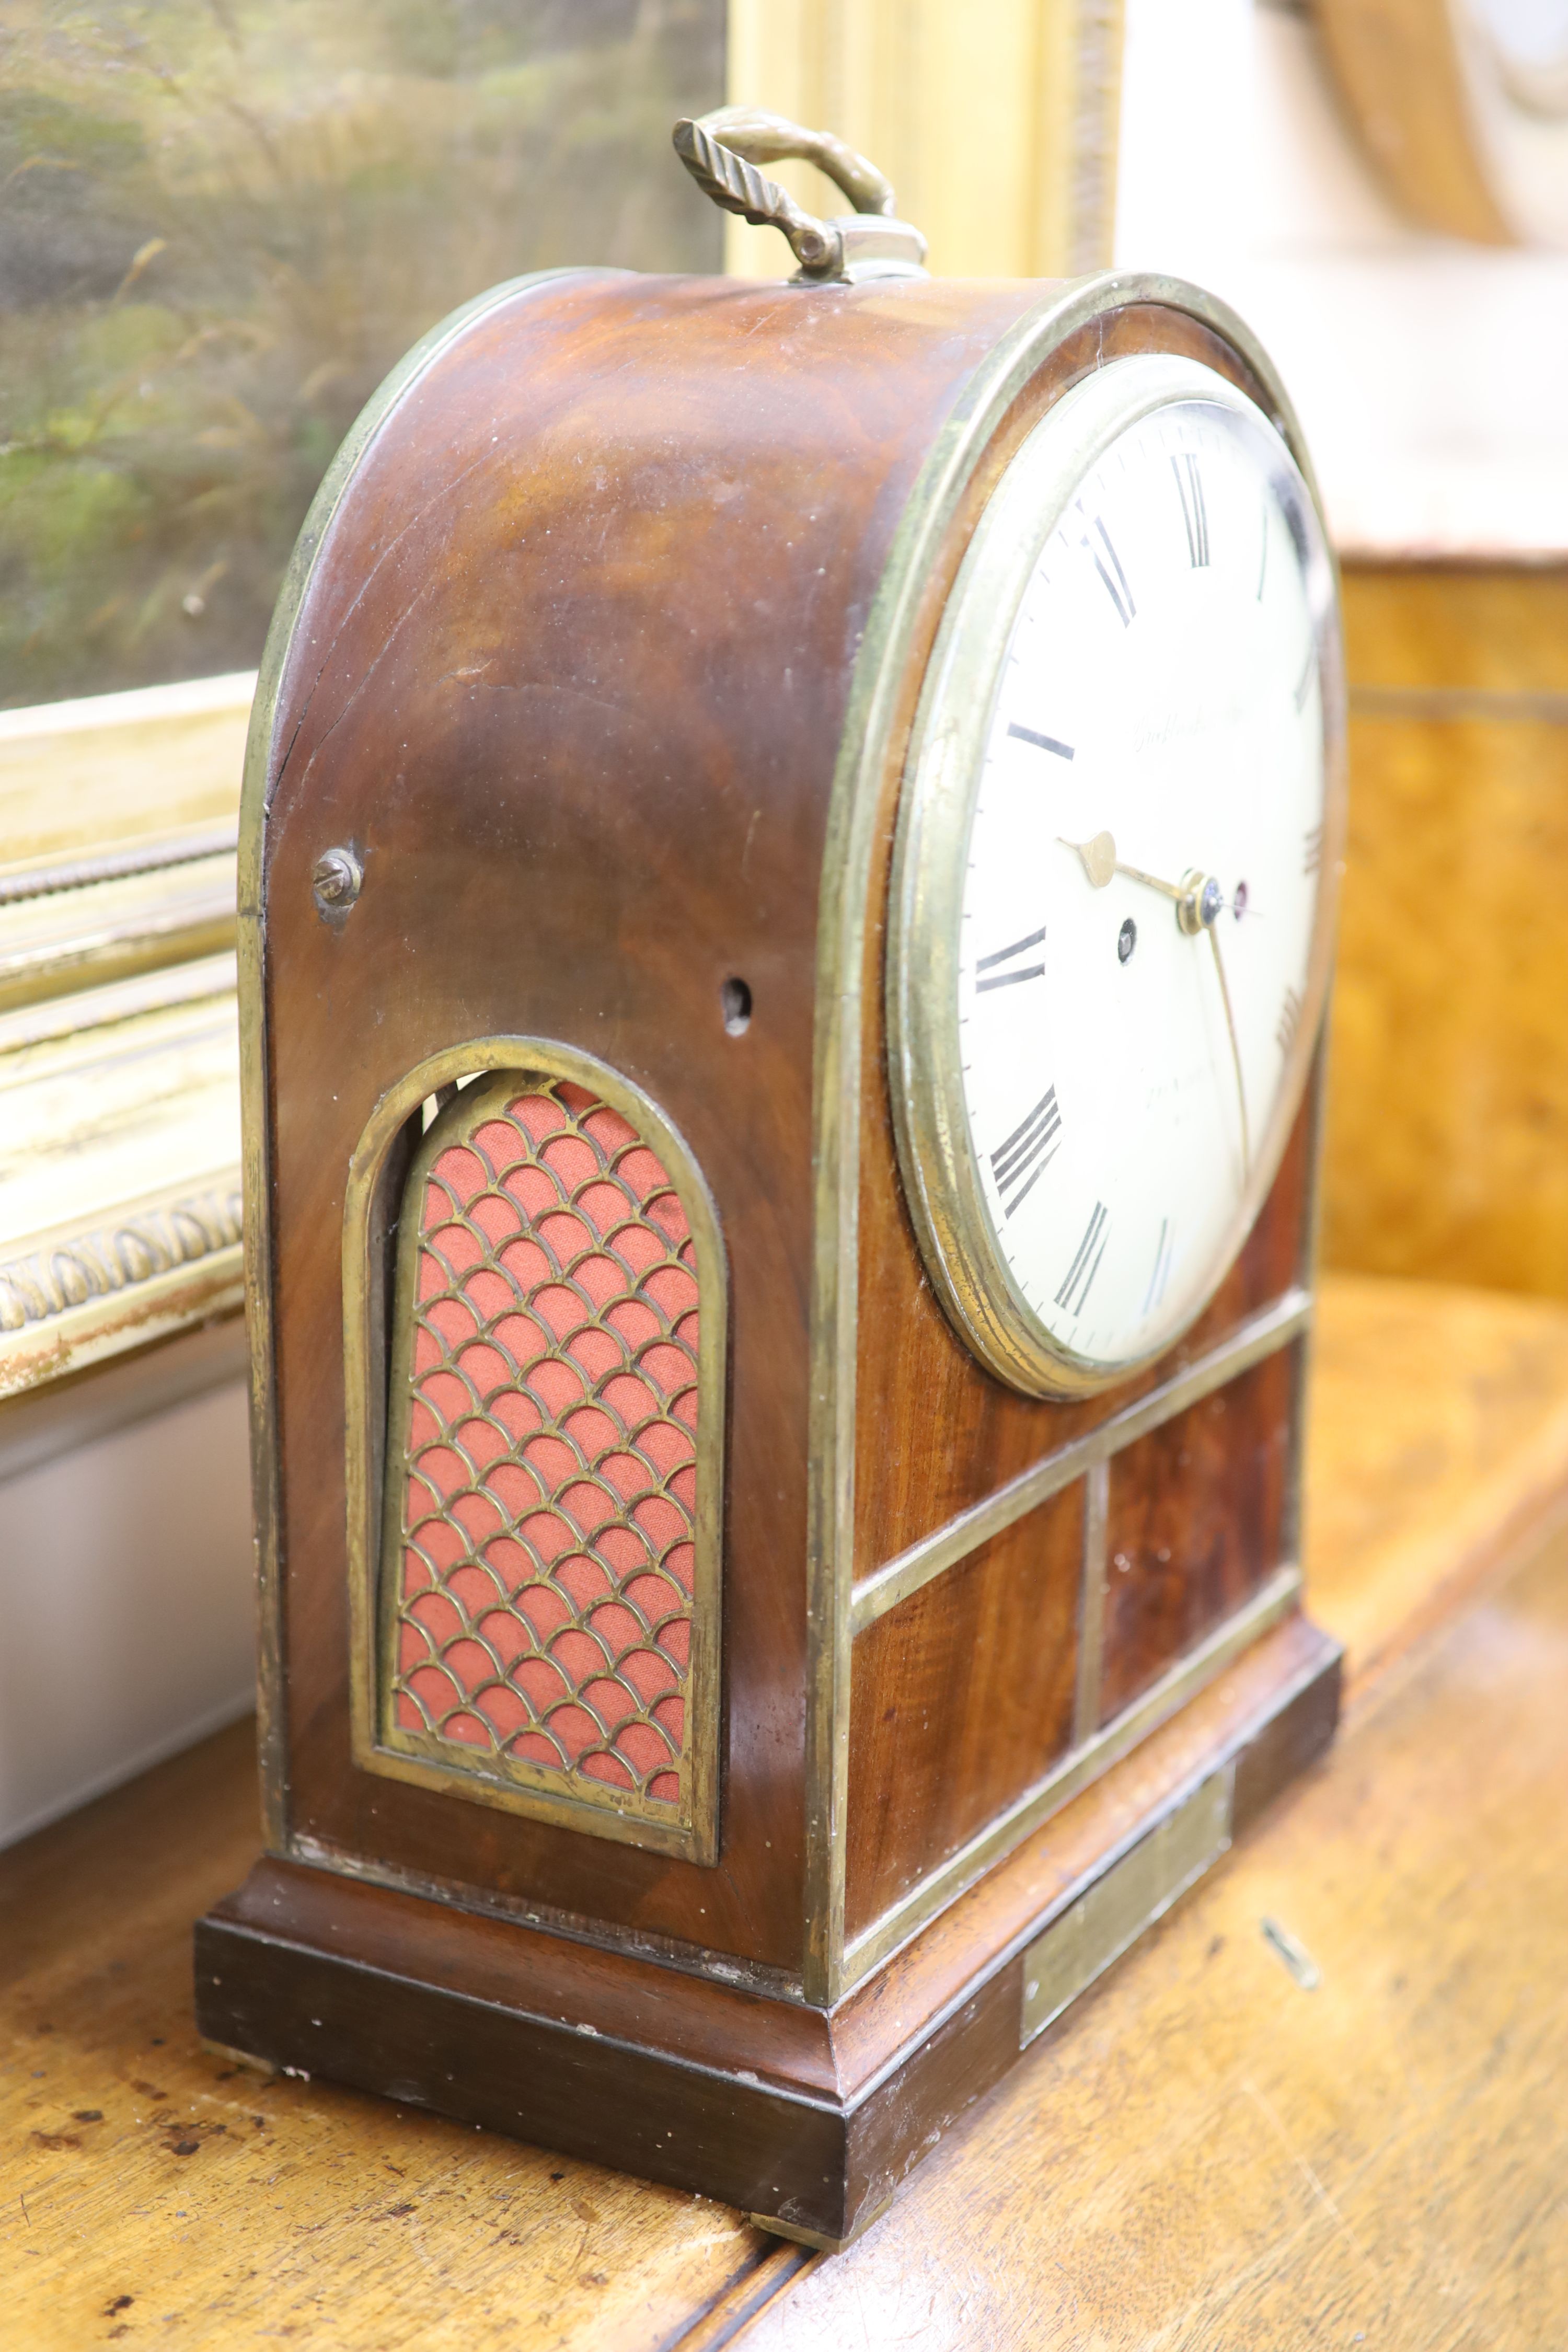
point(722, 151)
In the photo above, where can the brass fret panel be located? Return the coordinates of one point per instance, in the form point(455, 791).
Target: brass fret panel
point(546, 1585)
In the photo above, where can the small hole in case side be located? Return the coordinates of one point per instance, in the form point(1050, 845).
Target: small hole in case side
point(735, 998)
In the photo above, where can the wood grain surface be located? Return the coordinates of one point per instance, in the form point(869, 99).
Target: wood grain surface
point(1205, 2155)
point(602, 505)
point(151, 2191)
point(914, 1373)
point(1212, 2154)
point(1438, 1445)
point(610, 497)
point(915, 1376)
point(1446, 1137)
point(1199, 1517)
point(935, 1755)
point(1493, 628)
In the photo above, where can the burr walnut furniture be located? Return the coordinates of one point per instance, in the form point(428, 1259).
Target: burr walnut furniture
point(1446, 1146)
point(663, 1770)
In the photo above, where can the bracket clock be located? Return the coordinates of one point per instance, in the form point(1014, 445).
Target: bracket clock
point(787, 874)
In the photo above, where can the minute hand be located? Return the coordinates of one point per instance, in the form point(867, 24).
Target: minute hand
point(1235, 1052)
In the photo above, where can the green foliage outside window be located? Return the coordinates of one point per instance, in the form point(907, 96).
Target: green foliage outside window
point(222, 221)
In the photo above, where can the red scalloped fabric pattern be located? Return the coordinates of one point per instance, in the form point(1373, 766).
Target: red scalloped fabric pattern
point(545, 1607)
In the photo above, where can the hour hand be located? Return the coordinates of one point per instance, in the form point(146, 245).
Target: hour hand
point(1099, 862)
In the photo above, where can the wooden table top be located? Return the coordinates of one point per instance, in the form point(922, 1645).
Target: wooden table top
point(1208, 2152)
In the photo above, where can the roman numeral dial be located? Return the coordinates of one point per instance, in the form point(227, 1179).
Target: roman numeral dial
point(1018, 1164)
point(1194, 515)
point(1079, 1279)
point(1041, 742)
point(1002, 968)
point(1108, 563)
point(1136, 799)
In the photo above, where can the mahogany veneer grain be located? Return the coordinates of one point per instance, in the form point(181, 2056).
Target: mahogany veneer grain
point(569, 674)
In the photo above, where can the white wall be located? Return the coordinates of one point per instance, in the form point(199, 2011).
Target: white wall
point(1429, 374)
point(126, 1605)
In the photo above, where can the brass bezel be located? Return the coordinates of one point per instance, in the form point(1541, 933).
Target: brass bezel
point(373, 1405)
point(941, 1182)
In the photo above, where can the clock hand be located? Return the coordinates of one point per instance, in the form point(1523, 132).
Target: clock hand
point(1198, 897)
point(1098, 857)
point(1199, 909)
point(1136, 873)
point(1200, 902)
point(1235, 1052)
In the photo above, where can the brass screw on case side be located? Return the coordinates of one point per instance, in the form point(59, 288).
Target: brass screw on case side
point(337, 880)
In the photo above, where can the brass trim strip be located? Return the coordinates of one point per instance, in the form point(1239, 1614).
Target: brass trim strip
point(1112, 1913)
point(693, 1959)
point(693, 1832)
point(1091, 1602)
point(844, 915)
point(1182, 1682)
point(1274, 1328)
point(272, 1721)
point(1308, 1243)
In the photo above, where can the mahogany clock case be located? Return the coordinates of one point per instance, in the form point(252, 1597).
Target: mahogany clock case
point(598, 662)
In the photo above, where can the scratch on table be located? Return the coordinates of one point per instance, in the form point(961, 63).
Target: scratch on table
point(1316, 2185)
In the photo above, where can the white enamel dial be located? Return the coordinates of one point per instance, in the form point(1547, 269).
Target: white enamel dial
point(1126, 745)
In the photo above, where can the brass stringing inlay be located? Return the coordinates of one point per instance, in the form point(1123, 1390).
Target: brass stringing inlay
point(538, 1571)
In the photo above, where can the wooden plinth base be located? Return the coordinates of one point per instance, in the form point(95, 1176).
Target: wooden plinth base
point(806, 2120)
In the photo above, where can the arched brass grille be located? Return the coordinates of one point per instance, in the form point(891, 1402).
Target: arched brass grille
point(539, 1560)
